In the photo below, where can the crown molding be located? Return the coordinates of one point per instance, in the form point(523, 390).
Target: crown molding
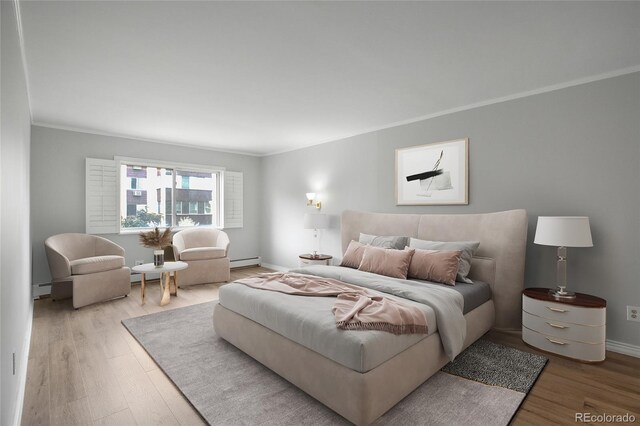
point(135, 138)
point(23, 56)
point(515, 96)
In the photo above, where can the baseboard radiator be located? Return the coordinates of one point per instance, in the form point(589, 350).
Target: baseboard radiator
point(45, 288)
point(42, 289)
point(250, 261)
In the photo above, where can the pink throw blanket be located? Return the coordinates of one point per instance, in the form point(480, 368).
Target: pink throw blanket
point(356, 308)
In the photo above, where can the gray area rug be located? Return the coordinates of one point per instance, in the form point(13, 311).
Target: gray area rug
point(228, 387)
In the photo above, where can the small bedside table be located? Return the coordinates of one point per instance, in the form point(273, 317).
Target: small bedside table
point(574, 328)
point(309, 259)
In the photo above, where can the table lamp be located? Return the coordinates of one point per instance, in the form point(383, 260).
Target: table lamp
point(316, 221)
point(563, 232)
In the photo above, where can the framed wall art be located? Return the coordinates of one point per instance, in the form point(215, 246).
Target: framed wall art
point(433, 174)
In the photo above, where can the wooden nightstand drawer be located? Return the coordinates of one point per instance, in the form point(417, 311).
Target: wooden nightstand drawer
point(564, 312)
point(569, 348)
point(574, 327)
point(564, 330)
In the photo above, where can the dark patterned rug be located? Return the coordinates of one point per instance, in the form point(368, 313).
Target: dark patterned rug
point(497, 365)
point(226, 386)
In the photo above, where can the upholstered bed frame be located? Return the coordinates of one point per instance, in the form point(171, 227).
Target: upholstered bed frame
point(363, 397)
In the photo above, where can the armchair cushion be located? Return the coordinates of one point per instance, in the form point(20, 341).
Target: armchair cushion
point(91, 265)
point(201, 253)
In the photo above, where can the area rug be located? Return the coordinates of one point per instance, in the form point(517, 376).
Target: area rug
point(485, 385)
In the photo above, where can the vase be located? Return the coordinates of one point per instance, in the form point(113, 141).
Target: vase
point(158, 258)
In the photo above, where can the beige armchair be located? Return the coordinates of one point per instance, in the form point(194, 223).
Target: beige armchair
point(205, 250)
point(86, 267)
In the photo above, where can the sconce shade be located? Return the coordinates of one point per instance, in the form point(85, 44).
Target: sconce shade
point(563, 231)
point(316, 221)
point(311, 196)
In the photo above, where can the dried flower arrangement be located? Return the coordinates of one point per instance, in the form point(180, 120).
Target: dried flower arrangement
point(156, 239)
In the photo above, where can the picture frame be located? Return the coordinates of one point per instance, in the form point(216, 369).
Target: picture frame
point(433, 174)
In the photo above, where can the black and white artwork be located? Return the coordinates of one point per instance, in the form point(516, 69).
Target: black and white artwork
point(432, 174)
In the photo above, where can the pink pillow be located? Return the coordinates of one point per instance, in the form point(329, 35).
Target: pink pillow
point(389, 262)
point(353, 255)
point(435, 265)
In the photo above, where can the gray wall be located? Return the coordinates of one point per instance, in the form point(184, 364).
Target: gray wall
point(58, 189)
point(16, 305)
point(574, 151)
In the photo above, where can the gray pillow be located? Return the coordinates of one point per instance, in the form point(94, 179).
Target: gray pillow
point(397, 243)
point(468, 249)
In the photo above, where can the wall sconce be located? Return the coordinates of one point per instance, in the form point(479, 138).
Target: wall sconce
point(310, 200)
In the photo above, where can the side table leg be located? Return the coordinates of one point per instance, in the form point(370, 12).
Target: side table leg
point(165, 278)
point(174, 292)
point(142, 284)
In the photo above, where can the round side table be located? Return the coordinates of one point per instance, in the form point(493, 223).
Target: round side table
point(165, 278)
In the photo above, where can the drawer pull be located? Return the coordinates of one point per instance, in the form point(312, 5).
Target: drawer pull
point(556, 342)
point(557, 326)
point(556, 309)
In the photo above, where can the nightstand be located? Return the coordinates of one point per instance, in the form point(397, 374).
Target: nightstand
point(574, 328)
point(320, 259)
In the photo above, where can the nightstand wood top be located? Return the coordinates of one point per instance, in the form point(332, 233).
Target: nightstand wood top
point(581, 299)
point(309, 256)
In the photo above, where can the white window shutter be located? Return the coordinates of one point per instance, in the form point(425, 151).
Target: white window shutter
point(233, 213)
point(101, 183)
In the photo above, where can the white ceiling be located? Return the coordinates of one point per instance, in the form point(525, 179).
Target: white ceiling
point(265, 77)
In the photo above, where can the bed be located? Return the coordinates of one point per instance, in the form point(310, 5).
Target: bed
point(362, 374)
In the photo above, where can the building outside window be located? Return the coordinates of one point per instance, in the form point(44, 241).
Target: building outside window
point(162, 196)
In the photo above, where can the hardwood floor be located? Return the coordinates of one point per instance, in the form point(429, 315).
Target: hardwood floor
point(86, 369)
point(566, 387)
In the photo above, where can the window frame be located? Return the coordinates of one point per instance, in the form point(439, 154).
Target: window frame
point(174, 166)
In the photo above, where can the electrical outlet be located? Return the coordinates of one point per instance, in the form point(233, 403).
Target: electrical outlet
point(633, 313)
point(139, 262)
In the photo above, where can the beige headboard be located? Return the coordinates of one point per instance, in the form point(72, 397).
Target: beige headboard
point(502, 236)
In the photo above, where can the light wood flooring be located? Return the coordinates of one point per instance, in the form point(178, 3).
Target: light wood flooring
point(86, 369)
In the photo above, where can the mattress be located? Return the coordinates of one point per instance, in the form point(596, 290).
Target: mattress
point(474, 294)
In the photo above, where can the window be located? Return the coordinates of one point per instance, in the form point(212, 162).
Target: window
point(193, 207)
point(161, 195)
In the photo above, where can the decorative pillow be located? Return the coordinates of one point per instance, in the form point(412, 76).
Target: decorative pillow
point(468, 249)
point(389, 262)
point(434, 265)
point(397, 243)
point(353, 255)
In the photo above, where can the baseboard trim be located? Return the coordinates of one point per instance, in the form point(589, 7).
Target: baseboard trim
point(623, 348)
point(24, 362)
point(275, 267)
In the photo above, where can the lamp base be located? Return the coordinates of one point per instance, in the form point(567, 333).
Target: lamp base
point(562, 293)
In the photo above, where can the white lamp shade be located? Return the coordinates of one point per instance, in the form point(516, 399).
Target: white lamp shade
point(316, 221)
point(311, 196)
point(567, 231)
